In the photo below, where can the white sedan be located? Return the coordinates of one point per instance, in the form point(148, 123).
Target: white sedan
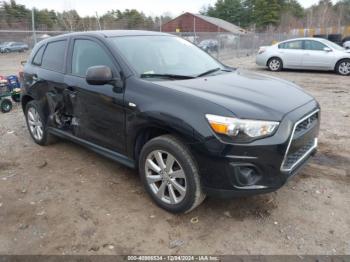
point(305, 53)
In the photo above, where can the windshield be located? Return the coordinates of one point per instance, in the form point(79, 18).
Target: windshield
point(164, 55)
point(332, 45)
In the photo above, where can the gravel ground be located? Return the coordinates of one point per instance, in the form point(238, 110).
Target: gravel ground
point(64, 199)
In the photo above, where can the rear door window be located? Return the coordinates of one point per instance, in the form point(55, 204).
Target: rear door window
point(53, 58)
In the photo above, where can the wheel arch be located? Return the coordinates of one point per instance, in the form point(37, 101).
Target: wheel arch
point(143, 136)
point(339, 61)
point(25, 100)
point(272, 57)
point(147, 133)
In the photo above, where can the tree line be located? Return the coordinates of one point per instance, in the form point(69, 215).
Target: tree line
point(259, 15)
point(17, 16)
point(280, 14)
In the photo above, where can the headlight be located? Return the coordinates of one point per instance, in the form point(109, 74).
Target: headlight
point(241, 130)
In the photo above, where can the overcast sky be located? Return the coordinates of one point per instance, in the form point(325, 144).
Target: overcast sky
point(149, 7)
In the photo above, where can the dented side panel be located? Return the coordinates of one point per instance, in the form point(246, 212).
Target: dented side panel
point(98, 113)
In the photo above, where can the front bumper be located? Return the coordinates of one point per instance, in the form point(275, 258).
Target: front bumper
point(263, 166)
point(261, 59)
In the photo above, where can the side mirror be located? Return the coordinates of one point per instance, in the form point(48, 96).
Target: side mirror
point(327, 49)
point(99, 75)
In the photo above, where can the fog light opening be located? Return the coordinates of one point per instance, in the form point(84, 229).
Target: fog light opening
point(247, 176)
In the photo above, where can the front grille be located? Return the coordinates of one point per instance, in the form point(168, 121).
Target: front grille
point(299, 154)
point(307, 123)
point(291, 160)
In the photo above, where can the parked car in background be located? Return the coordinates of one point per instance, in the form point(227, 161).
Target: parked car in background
point(305, 53)
point(152, 101)
point(335, 38)
point(346, 45)
point(346, 39)
point(209, 45)
point(8, 47)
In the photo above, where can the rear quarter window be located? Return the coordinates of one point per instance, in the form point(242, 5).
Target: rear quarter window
point(53, 58)
point(38, 56)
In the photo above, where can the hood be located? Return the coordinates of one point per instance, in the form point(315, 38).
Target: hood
point(246, 94)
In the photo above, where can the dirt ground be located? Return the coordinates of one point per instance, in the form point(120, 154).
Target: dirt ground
point(64, 199)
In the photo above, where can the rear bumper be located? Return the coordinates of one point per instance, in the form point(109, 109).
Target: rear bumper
point(229, 170)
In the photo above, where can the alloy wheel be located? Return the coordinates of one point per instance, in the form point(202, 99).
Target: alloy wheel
point(165, 177)
point(344, 68)
point(275, 65)
point(35, 124)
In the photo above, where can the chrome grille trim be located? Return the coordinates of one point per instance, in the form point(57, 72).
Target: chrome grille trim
point(291, 140)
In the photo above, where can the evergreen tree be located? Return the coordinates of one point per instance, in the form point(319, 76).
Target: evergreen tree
point(266, 13)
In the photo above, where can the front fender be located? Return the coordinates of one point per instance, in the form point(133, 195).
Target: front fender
point(166, 109)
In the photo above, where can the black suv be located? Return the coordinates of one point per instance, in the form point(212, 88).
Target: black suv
point(191, 125)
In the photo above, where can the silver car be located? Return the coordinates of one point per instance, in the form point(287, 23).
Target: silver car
point(305, 53)
point(8, 47)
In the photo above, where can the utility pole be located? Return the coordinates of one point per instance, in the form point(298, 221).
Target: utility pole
point(160, 26)
point(194, 26)
point(33, 27)
point(98, 21)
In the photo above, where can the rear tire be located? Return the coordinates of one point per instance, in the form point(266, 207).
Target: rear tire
point(343, 67)
point(36, 124)
point(170, 174)
point(6, 105)
point(275, 64)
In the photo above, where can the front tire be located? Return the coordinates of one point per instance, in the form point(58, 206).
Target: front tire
point(343, 67)
point(275, 64)
point(36, 124)
point(170, 174)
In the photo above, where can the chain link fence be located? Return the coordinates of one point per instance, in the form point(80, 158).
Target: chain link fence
point(223, 46)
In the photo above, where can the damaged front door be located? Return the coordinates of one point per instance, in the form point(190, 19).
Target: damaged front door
point(98, 112)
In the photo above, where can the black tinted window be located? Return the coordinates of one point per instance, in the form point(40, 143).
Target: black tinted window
point(87, 53)
point(291, 45)
point(39, 56)
point(53, 58)
point(314, 45)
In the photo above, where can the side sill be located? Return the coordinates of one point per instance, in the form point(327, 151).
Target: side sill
point(98, 149)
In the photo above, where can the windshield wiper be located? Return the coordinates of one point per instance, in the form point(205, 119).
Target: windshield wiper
point(166, 75)
point(210, 72)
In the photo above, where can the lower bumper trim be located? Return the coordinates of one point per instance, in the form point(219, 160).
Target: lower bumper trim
point(222, 193)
